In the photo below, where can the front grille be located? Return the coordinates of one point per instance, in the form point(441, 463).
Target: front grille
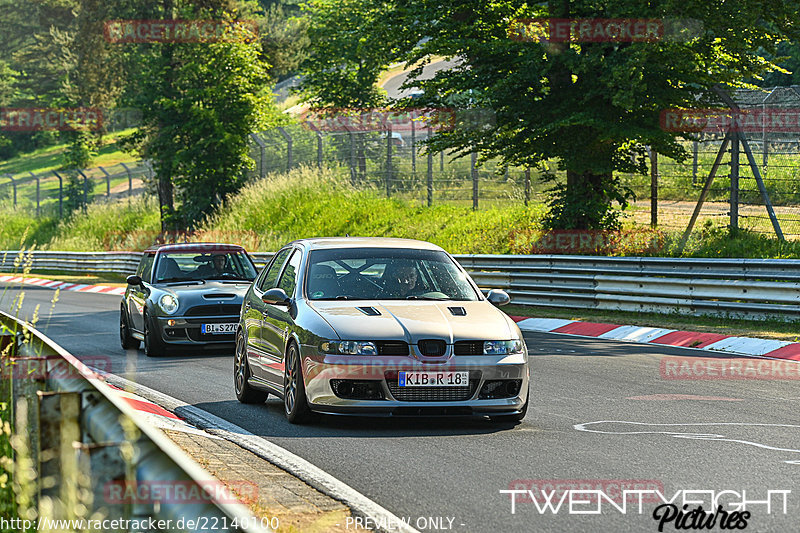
point(432, 347)
point(468, 348)
point(212, 310)
point(392, 348)
point(431, 394)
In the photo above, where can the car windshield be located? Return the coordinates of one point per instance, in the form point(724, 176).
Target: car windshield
point(177, 267)
point(385, 274)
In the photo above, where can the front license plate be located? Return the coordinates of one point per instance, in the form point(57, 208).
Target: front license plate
point(218, 328)
point(433, 379)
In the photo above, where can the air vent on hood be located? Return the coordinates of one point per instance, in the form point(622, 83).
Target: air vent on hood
point(218, 295)
point(457, 311)
point(369, 311)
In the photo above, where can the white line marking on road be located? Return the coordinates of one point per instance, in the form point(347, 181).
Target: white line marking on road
point(280, 457)
point(693, 436)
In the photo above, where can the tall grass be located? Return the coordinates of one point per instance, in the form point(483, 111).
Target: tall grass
point(310, 202)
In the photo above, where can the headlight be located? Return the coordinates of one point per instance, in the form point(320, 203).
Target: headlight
point(502, 347)
point(349, 347)
point(168, 303)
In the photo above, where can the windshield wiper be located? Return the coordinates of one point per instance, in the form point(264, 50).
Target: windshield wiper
point(413, 297)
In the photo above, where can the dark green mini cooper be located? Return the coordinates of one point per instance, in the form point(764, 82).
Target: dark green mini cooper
point(185, 295)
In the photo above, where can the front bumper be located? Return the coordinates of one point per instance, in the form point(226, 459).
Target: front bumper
point(186, 331)
point(380, 375)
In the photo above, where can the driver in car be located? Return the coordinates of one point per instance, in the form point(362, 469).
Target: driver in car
point(215, 268)
point(401, 281)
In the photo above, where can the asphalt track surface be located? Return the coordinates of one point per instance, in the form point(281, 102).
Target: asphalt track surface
point(742, 434)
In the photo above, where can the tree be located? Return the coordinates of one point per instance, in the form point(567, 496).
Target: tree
point(200, 101)
point(592, 106)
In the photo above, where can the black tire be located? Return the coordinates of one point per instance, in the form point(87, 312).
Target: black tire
point(511, 419)
point(295, 405)
point(153, 345)
point(125, 339)
point(241, 373)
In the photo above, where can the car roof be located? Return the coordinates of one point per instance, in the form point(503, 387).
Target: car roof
point(364, 242)
point(196, 247)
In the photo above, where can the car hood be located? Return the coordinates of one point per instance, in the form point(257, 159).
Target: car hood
point(415, 320)
point(207, 288)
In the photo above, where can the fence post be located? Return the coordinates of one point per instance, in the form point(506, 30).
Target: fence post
point(527, 185)
point(474, 171)
point(430, 172)
point(319, 149)
point(13, 186)
point(262, 173)
point(734, 200)
point(388, 159)
point(108, 181)
point(37, 191)
point(694, 161)
point(413, 150)
point(60, 194)
point(85, 189)
point(764, 141)
point(288, 148)
point(441, 161)
point(130, 181)
point(352, 156)
point(653, 186)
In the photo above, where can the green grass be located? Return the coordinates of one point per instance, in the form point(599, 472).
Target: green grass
point(51, 157)
point(308, 202)
point(315, 203)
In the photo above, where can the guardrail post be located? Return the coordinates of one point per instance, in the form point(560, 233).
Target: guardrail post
point(104, 464)
point(130, 181)
point(37, 191)
point(474, 171)
point(59, 428)
point(60, 194)
point(13, 186)
point(108, 181)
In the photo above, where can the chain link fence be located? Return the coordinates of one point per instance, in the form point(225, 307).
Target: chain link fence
point(394, 161)
point(45, 193)
point(734, 197)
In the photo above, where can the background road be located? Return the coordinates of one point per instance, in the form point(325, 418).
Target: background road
point(456, 468)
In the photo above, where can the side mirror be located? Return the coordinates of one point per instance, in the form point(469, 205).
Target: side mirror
point(134, 280)
point(276, 296)
point(498, 297)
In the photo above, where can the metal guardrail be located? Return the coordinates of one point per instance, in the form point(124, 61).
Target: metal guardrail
point(83, 262)
point(76, 427)
point(746, 288)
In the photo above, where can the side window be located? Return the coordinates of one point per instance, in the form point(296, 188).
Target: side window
point(289, 277)
point(271, 276)
point(146, 267)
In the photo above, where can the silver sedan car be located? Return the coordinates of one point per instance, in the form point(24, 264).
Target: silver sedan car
point(378, 327)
